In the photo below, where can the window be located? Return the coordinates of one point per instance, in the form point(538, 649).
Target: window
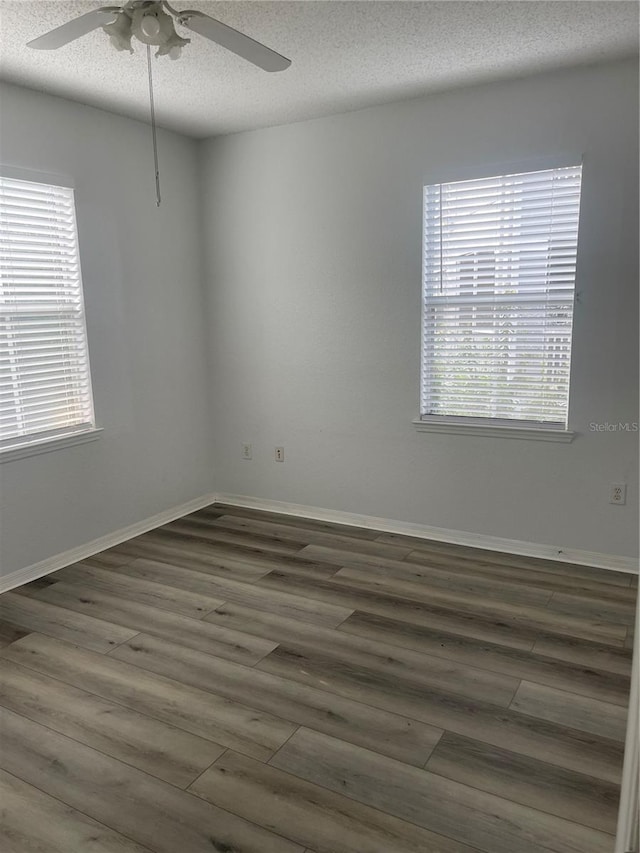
point(499, 261)
point(45, 385)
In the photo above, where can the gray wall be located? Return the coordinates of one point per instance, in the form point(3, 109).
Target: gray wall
point(313, 241)
point(143, 293)
point(311, 238)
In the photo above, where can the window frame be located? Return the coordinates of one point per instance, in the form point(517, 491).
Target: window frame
point(486, 426)
point(48, 440)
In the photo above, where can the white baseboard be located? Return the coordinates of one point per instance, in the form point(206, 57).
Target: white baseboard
point(74, 555)
point(612, 562)
point(384, 525)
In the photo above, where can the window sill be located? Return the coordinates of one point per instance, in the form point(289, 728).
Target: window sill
point(45, 445)
point(495, 430)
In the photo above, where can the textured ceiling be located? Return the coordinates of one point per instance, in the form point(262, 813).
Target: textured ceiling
point(346, 55)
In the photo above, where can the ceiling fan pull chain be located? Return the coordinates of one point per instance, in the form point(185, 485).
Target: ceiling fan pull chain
point(153, 128)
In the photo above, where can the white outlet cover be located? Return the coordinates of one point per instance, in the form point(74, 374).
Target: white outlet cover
point(618, 494)
point(247, 451)
point(279, 454)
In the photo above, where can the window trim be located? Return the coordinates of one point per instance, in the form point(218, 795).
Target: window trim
point(495, 427)
point(36, 176)
point(45, 445)
point(490, 169)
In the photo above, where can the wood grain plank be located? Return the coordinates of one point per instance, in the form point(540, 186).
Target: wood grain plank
point(9, 633)
point(145, 809)
point(449, 808)
point(274, 601)
point(242, 565)
point(462, 571)
point(431, 577)
point(34, 586)
point(622, 612)
point(598, 582)
point(599, 684)
point(220, 541)
point(292, 520)
point(204, 521)
point(310, 814)
point(306, 536)
point(583, 653)
point(107, 559)
point(354, 653)
point(336, 556)
point(506, 728)
point(262, 561)
point(33, 822)
point(459, 553)
point(123, 585)
point(143, 742)
point(542, 786)
point(450, 587)
point(496, 629)
point(188, 532)
point(393, 735)
point(222, 720)
point(181, 629)
point(568, 709)
point(34, 615)
point(214, 510)
point(535, 618)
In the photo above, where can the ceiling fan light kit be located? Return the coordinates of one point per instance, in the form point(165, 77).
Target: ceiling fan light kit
point(150, 24)
point(119, 32)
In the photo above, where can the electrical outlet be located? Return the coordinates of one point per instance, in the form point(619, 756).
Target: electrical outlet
point(279, 454)
point(618, 493)
point(247, 451)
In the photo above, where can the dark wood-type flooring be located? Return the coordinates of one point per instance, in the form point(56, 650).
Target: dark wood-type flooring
point(244, 682)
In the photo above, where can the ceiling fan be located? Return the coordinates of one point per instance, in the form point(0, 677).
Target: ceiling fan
point(148, 21)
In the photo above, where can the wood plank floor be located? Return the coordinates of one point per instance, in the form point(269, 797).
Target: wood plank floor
point(245, 682)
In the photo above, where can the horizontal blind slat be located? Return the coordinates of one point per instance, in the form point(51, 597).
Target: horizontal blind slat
point(38, 410)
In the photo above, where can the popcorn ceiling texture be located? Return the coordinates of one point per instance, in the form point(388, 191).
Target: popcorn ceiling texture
point(346, 55)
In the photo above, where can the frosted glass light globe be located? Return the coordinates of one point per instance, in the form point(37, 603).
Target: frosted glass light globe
point(150, 26)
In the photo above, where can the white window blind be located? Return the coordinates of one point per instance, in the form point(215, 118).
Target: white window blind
point(499, 261)
point(45, 386)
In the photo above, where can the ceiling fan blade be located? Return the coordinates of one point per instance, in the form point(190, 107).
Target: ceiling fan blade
point(234, 41)
point(74, 29)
